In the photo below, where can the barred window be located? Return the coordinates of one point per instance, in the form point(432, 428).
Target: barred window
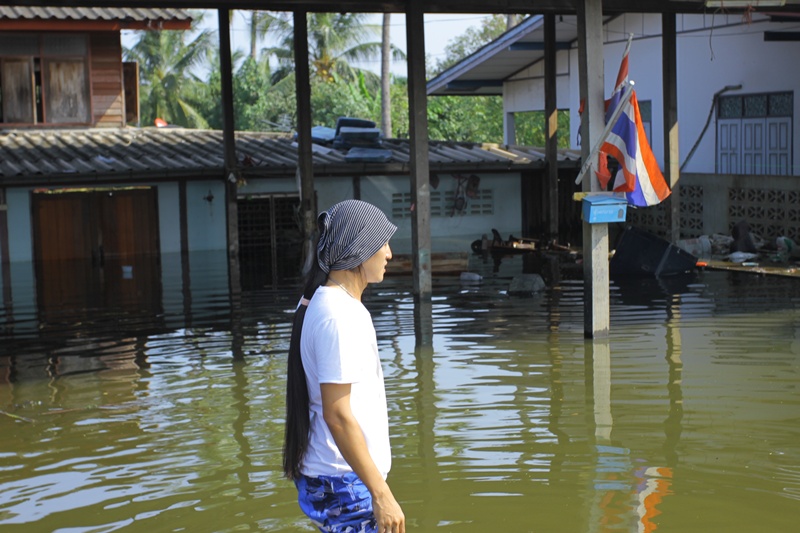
point(755, 105)
point(447, 204)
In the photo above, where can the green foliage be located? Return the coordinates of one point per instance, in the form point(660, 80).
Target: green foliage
point(166, 59)
point(331, 100)
point(335, 40)
point(264, 97)
point(259, 105)
point(466, 118)
point(529, 127)
point(399, 99)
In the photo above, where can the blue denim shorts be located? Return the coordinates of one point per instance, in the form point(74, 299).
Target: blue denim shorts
point(337, 504)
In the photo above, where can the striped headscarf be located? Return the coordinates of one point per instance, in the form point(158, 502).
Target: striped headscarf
point(351, 232)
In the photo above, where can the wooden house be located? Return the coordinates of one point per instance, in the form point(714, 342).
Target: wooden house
point(95, 212)
point(62, 67)
point(93, 208)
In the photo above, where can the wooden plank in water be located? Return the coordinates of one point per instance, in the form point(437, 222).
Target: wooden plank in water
point(453, 263)
point(787, 270)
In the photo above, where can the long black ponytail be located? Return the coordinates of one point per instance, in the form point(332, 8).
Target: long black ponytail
point(298, 423)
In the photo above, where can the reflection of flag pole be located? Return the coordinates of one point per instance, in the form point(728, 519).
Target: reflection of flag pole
point(610, 124)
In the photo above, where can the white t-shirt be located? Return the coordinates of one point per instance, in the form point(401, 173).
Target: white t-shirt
point(339, 345)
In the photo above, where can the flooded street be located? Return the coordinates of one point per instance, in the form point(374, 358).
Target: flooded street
point(169, 416)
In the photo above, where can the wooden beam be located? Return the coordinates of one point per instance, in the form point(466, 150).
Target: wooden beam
point(595, 236)
point(186, 278)
point(562, 7)
point(418, 164)
point(230, 176)
point(672, 165)
point(551, 125)
point(305, 167)
point(5, 259)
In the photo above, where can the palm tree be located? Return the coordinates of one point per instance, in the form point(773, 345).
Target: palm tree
point(335, 40)
point(386, 77)
point(165, 61)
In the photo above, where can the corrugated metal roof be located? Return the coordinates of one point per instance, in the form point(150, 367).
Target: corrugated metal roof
point(91, 13)
point(32, 155)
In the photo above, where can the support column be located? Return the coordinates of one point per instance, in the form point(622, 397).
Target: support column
point(229, 147)
point(509, 128)
point(418, 133)
point(672, 167)
point(5, 252)
point(551, 125)
point(595, 236)
point(305, 166)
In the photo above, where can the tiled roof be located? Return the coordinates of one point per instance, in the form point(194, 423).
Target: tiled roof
point(128, 153)
point(91, 13)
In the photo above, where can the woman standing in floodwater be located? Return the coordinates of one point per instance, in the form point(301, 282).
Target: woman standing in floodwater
point(336, 446)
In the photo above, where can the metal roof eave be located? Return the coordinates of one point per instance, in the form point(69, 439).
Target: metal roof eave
point(483, 54)
point(485, 72)
point(218, 173)
point(401, 6)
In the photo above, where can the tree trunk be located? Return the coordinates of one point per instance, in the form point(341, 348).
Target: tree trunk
point(386, 78)
point(253, 34)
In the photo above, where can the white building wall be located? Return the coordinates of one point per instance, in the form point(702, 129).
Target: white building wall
point(169, 220)
point(207, 220)
point(20, 228)
point(448, 233)
point(713, 51)
point(733, 55)
point(269, 186)
point(525, 91)
point(451, 233)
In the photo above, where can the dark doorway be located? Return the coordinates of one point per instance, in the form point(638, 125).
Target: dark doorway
point(270, 240)
point(96, 249)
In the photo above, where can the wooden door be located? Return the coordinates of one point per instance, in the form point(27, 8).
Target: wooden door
point(97, 249)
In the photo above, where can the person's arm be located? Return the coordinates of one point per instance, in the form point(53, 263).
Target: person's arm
point(350, 440)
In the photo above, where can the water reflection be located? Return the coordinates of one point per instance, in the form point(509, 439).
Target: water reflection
point(113, 420)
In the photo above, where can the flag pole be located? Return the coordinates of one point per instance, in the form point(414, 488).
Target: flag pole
point(610, 124)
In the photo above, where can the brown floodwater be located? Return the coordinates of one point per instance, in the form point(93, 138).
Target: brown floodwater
point(169, 416)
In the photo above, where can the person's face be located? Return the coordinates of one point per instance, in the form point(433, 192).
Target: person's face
point(375, 266)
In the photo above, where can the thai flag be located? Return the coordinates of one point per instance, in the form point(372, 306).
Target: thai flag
point(638, 176)
point(602, 172)
point(622, 81)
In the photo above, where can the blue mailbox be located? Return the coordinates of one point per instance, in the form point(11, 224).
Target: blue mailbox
point(602, 209)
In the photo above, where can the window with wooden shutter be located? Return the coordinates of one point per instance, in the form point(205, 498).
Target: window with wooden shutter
point(44, 79)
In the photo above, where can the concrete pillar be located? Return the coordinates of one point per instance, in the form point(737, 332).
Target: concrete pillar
point(509, 128)
point(418, 134)
point(595, 236)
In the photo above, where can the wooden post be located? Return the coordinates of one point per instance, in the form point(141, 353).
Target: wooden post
point(672, 167)
point(551, 125)
point(305, 166)
point(418, 133)
point(5, 252)
point(595, 236)
point(229, 147)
